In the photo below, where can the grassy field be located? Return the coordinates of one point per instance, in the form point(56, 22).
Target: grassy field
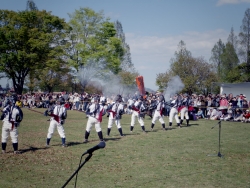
point(172, 158)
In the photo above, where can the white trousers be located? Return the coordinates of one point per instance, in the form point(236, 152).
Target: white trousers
point(54, 124)
point(112, 120)
point(93, 121)
point(134, 116)
point(157, 116)
point(7, 130)
point(174, 114)
point(184, 113)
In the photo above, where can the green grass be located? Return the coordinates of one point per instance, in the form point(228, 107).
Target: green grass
point(173, 158)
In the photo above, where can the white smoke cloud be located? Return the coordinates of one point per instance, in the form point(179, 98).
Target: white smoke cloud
point(174, 86)
point(110, 87)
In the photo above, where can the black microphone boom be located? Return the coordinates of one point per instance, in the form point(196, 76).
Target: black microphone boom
point(102, 144)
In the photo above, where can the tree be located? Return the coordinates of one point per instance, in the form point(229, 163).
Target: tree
point(126, 64)
point(244, 38)
point(51, 79)
point(217, 51)
point(229, 62)
point(31, 6)
point(30, 41)
point(94, 44)
point(232, 38)
point(195, 73)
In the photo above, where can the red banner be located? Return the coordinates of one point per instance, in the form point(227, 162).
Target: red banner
point(140, 85)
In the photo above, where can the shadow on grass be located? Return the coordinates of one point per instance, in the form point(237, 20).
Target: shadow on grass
point(33, 149)
point(112, 139)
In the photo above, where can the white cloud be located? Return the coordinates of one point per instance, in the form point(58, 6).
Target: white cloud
point(151, 54)
point(223, 2)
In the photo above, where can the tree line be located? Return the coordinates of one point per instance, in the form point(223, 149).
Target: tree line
point(42, 51)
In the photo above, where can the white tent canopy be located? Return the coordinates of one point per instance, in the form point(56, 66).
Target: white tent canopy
point(236, 89)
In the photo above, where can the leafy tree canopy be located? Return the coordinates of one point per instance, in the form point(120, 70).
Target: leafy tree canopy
point(30, 41)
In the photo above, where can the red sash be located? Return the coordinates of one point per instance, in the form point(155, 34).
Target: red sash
point(56, 117)
point(135, 109)
point(179, 109)
point(114, 113)
point(161, 110)
point(12, 124)
point(100, 116)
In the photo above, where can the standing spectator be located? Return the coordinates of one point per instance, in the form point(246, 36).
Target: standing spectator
point(244, 103)
point(223, 102)
point(239, 99)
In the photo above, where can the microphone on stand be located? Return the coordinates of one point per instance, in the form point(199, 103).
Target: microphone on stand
point(102, 144)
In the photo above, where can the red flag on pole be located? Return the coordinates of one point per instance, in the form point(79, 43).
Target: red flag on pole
point(140, 85)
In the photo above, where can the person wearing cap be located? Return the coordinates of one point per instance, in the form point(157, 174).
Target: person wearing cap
point(158, 113)
point(185, 103)
point(58, 115)
point(9, 117)
point(95, 111)
point(115, 114)
point(175, 104)
point(138, 110)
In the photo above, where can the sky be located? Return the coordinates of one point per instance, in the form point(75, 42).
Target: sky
point(154, 28)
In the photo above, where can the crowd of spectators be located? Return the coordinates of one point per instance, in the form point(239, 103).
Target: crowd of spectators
point(222, 107)
point(211, 106)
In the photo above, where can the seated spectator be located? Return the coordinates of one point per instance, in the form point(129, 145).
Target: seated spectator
point(199, 114)
point(209, 111)
point(215, 114)
point(246, 117)
point(227, 117)
point(238, 116)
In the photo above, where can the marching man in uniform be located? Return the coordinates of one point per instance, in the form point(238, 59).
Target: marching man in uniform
point(58, 116)
point(174, 111)
point(116, 112)
point(184, 108)
point(158, 114)
point(138, 110)
point(11, 118)
point(95, 112)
